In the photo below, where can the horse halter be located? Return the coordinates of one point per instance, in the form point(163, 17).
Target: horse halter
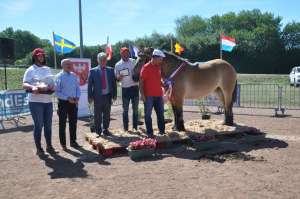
point(169, 80)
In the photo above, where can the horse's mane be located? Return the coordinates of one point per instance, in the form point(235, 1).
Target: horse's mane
point(178, 57)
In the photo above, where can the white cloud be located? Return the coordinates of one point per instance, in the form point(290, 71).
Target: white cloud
point(16, 8)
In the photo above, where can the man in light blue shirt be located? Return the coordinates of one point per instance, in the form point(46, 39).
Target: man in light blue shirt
point(67, 90)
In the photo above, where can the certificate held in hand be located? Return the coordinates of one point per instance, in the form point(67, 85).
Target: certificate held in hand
point(124, 72)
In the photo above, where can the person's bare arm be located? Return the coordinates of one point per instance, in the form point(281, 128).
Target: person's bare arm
point(30, 87)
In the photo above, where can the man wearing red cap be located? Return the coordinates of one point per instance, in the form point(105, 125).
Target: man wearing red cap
point(130, 88)
point(40, 100)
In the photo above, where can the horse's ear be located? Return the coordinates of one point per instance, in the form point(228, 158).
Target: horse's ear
point(149, 51)
point(141, 48)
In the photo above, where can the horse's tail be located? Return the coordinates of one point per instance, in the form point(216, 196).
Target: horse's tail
point(234, 93)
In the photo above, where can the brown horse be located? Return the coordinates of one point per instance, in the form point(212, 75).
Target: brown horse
point(193, 81)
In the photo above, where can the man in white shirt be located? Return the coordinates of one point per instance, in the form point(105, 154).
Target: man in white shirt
point(130, 88)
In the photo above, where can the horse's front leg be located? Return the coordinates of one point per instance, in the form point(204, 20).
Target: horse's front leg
point(180, 121)
point(175, 117)
point(178, 116)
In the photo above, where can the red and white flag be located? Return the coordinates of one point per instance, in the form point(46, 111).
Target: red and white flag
point(227, 43)
point(108, 51)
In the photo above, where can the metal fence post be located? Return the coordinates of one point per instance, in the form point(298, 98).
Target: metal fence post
point(279, 102)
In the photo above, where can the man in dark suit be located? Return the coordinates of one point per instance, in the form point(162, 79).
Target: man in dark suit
point(102, 89)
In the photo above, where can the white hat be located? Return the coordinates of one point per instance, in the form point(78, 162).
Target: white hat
point(64, 62)
point(159, 53)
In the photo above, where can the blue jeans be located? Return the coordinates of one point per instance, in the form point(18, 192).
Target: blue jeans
point(158, 104)
point(42, 117)
point(131, 93)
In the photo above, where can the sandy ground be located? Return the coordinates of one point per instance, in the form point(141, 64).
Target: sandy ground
point(269, 170)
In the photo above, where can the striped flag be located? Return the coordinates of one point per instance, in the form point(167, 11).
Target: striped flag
point(227, 43)
point(133, 51)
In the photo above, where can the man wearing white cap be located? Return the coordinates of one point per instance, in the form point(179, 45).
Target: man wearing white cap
point(152, 92)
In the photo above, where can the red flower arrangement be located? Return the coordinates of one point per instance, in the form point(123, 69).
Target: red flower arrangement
point(146, 143)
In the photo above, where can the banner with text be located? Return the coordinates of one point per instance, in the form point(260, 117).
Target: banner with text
point(13, 103)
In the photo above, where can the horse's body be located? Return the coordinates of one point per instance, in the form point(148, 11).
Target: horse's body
point(200, 80)
point(197, 81)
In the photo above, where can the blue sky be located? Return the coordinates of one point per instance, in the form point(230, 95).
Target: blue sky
point(123, 19)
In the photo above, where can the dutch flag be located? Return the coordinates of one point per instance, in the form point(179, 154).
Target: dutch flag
point(227, 43)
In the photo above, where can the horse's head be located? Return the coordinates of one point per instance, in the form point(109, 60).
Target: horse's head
point(170, 62)
point(144, 56)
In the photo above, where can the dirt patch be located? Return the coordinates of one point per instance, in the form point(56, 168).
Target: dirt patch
point(266, 170)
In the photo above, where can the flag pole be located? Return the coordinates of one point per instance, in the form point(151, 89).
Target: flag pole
point(54, 52)
point(80, 30)
point(221, 55)
point(171, 45)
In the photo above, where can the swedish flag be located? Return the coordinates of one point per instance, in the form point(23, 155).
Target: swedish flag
point(62, 45)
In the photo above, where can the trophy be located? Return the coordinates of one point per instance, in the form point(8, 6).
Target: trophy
point(44, 85)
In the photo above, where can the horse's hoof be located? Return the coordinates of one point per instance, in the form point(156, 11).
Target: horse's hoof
point(181, 129)
point(228, 123)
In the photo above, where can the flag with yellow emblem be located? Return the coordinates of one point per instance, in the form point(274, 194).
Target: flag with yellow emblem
point(178, 48)
point(62, 45)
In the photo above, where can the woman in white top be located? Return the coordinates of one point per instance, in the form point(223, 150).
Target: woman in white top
point(40, 100)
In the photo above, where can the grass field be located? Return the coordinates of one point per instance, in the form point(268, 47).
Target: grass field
point(14, 78)
point(263, 79)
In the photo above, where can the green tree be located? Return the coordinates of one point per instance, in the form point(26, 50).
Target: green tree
point(259, 45)
point(291, 40)
point(291, 36)
point(25, 41)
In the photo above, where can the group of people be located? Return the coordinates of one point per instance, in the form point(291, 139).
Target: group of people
point(102, 90)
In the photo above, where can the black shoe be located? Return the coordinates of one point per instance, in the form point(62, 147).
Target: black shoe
point(150, 136)
point(106, 133)
point(51, 150)
point(98, 134)
point(75, 145)
point(40, 152)
point(161, 133)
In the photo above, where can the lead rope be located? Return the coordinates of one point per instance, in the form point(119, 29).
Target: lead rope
point(168, 82)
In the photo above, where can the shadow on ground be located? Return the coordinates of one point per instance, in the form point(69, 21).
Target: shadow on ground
point(63, 167)
point(25, 129)
point(225, 146)
point(235, 149)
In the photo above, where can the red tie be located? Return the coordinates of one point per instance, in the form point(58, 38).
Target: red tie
point(103, 79)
